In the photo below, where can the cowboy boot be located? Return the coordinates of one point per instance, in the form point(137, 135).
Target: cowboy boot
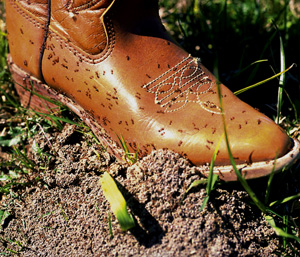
point(113, 63)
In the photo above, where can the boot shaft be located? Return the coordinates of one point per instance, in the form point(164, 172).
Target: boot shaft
point(80, 22)
point(29, 23)
point(26, 21)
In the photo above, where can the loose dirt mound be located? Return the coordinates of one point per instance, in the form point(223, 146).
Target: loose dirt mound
point(67, 214)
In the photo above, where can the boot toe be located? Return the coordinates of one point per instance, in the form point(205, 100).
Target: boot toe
point(264, 142)
point(258, 145)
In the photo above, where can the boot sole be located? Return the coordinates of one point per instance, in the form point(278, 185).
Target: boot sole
point(31, 89)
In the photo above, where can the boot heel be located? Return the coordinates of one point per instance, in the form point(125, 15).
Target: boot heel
point(31, 91)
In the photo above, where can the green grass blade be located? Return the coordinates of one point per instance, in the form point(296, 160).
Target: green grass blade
point(62, 212)
point(12, 251)
point(123, 144)
point(10, 99)
point(117, 202)
point(248, 66)
point(62, 119)
point(285, 229)
point(47, 99)
point(196, 183)
point(268, 189)
point(212, 178)
point(205, 201)
point(287, 199)
point(110, 226)
point(281, 81)
point(196, 8)
point(266, 46)
point(263, 81)
point(22, 157)
point(279, 231)
point(3, 215)
point(241, 179)
point(129, 157)
point(292, 104)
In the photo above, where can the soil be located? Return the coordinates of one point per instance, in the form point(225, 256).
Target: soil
point(64, 212)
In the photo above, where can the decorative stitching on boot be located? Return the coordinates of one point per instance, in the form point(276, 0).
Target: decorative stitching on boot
point(100, 57)
point(184, 80)
point(42, 50)
point(82, 7)
point(26, 16)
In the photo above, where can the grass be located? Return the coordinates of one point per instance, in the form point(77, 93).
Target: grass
point(265, 208)
point(129, 157)
point(245, 39)
point(231, 35)
point(117, 202)
point(244, 42)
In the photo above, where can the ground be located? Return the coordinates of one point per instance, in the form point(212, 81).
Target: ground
point(66, 214)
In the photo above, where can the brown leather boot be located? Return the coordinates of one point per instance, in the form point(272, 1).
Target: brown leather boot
point(113, 63)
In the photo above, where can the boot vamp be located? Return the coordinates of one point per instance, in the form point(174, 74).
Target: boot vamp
point(155, 95)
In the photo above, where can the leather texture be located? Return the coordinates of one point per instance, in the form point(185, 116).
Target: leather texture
point(25, 22)
point(116, 60)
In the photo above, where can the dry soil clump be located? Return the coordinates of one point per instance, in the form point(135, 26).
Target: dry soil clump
point(66, 214)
